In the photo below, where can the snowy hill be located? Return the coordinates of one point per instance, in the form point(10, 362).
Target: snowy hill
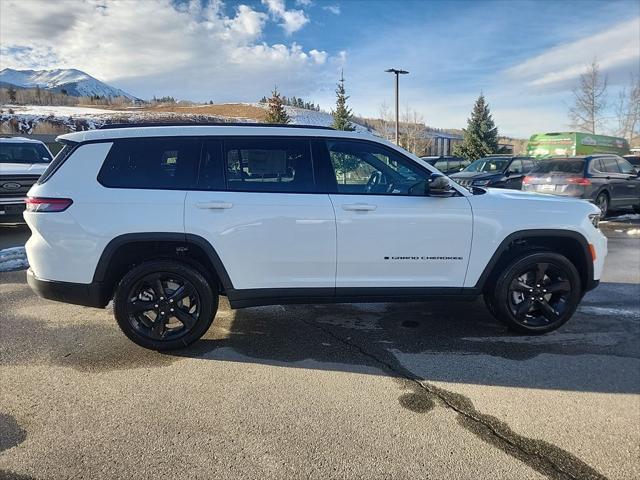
point(75, 82)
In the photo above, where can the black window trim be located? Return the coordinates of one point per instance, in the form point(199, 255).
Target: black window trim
point(321, 163)
point(222, 139)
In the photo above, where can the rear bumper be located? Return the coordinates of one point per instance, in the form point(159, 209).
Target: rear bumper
point(89, 295)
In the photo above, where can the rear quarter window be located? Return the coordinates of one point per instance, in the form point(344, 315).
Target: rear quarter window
point(152, 163)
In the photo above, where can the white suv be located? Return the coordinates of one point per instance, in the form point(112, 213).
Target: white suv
point(165, 219)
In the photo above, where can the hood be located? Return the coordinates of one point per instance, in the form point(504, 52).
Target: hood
point(22, 168)
point(476, 175)
point(543, 200)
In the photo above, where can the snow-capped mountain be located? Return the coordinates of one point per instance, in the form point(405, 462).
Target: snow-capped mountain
point(75, 82)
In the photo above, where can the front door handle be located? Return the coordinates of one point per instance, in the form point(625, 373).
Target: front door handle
point(359, 207)
point(214, 205)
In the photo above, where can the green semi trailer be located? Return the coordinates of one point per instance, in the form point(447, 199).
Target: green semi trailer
point(567, 144)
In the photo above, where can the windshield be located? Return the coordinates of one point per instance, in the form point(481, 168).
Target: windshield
point(559, 166)
point(488, 165)
point(23, 153)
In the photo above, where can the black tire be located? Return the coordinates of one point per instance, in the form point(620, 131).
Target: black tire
point(536, 293)
point(167, 315)
point(602, 202)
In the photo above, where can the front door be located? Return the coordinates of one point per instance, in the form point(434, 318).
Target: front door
point(389, 233)
point(258, 207)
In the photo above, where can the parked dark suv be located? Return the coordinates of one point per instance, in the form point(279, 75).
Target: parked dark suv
point(499, 171)
point(447, 164)
point(608, 181)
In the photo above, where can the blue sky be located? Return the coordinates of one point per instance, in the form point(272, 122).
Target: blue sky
point(524, 55)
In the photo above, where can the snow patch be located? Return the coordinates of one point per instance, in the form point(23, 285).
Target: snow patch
point(14, 258)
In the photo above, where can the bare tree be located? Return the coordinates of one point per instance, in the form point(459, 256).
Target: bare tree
point(386, 128)
point(628, 110)
point(590, 100)
point(412, 132)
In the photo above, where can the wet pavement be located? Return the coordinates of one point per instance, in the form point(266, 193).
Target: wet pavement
point(420, 390)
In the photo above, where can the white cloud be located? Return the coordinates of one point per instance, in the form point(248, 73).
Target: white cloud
point(192, 50)
point(335, 9)
point(292, 20)
point(304, 3)
point(617, 48)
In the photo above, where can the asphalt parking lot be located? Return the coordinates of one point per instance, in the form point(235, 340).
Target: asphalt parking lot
point(421, 390)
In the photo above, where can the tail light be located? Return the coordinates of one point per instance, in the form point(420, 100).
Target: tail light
point(35, 204)
point(579, 181)
point(527, 180)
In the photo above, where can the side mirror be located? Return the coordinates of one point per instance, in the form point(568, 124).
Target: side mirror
point(438, 186)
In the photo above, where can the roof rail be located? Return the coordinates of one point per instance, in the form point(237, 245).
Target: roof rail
point(108, 126)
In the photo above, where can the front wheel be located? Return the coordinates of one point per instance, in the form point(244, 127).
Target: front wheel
point(164, 305)
point(536, 293)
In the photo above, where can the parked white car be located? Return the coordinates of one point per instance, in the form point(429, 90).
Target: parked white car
point(165, 219)
point(22, 161)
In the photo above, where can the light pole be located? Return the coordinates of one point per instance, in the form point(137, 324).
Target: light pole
point(397, 73)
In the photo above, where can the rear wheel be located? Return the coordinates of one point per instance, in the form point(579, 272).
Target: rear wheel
point(164, 305)
point(602, 202)
point(536, 293)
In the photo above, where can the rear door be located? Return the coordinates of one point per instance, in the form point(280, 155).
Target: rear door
point(389, 233)
point(257, 206)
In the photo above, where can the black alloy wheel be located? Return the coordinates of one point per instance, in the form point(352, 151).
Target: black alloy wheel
point(536, 293)
point(539, 295)
point(164, 305)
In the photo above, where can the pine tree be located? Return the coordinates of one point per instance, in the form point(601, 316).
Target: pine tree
point(11, 91)
point(276, 112)
point(342, 114)
point(481, 135)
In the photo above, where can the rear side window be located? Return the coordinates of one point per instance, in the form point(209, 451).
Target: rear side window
point(609, 165)
point(152, 163)
point(268, 165)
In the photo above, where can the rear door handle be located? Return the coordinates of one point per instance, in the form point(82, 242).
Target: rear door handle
point(214, 205)
point(359, 207)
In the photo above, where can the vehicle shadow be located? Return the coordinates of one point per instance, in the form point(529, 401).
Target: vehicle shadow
point(597, 351)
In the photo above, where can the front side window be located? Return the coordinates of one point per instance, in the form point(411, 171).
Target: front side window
point(269, 165)
point(488, 165)
point(516, 166)
point(152, 163)
point(625, 167)
point(365, 168)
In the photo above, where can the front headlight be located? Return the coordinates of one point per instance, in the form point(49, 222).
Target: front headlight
point(595, 219)
point(481, 183)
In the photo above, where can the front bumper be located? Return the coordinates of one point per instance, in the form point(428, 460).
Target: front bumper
point(89, 295)
point(11, 207)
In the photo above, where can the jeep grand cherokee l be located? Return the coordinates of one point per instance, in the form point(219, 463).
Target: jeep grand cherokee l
point(22, 161)
point(164, 220)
